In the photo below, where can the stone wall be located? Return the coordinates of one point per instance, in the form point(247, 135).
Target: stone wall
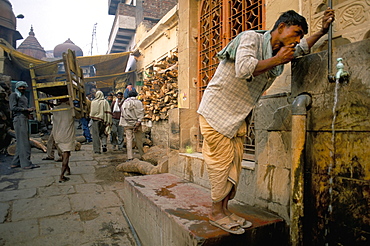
point(337, 172)
point(273, 156)
point(346, 157)
point(159, 133)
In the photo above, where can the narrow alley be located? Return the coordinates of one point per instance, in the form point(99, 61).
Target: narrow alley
point(35, 209)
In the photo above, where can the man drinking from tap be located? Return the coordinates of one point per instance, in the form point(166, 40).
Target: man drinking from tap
point(249, 65)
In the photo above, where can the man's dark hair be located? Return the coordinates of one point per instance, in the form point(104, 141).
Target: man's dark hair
point(292, 18)
point(120, 93)
point(132, 93)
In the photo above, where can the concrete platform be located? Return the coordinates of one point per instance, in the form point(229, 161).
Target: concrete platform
point(167, 210)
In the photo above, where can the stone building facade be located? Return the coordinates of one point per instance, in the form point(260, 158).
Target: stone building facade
point(266, 180)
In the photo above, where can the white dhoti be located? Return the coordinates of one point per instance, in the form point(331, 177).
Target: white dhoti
point(223, 157)
point(64, 129)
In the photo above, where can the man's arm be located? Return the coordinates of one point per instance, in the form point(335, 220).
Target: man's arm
point(327, 19)
point(139, 111)
point(284, 55)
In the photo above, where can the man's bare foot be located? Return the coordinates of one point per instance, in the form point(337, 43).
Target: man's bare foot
point(68, 172)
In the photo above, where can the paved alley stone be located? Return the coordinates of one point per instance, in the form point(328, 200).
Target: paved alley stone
point(4, 208)
point(19, 232)
point(94, 200)
point(40, 207)
point(87, 188)
point(37, 210)
point(63, 224)
point(17, 194)
point(56, 190)
point(36, 182)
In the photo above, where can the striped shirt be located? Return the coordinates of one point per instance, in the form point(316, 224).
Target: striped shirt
point(233, 91)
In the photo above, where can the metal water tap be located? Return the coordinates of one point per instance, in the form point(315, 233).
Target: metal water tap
point(340, 67)
point(341, 75)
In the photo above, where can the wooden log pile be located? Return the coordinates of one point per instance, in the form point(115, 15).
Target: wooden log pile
point(160, 90)
point(5, 120)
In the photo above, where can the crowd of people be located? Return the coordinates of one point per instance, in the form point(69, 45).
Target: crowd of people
point(113, 115)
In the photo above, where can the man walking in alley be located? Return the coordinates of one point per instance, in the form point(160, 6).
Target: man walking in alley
point(249, 65)
point(102, 122)
point(18, 103)
point(85, 119)
point(132, 113)
point(129, 88)
point(117, 130)
point(64, 135)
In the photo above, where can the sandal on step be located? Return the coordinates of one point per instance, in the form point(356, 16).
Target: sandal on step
point(228, 225)
point(241, 221)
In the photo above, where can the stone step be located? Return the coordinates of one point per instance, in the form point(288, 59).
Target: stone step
point(167, 210)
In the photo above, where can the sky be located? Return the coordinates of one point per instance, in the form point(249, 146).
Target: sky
point(54, 21)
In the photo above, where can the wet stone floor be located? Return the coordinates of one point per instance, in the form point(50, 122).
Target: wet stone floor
point(35, 209)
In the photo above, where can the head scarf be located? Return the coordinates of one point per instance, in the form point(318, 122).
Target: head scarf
point(100, 110)
point(19, 84)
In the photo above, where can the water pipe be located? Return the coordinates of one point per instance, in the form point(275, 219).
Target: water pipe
point(132, 229)
point(299, 119)
point(331, 77)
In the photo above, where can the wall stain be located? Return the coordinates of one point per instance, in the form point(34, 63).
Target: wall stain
point(270, 170)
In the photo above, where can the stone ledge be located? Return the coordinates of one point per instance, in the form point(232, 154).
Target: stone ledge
point(245, 164)
point(165, 209)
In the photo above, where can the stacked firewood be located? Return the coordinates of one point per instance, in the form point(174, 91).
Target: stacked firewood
point(159, 92)
point(5, 118)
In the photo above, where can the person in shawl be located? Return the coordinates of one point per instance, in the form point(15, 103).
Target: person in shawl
point(18, 104)
point(117, 130)
point(248, 66)
point(101, 116)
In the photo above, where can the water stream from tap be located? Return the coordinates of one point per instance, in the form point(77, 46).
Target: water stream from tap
point(332, 163)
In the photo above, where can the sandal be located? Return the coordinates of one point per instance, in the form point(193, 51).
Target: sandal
point(32, 166)
point(241, 221)
point(14, 166)
point(228, 225)
point(64, 179)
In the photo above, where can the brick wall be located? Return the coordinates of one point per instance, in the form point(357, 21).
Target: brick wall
point(126, 10)
point(157, 8)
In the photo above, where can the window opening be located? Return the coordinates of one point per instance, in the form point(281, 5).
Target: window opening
point(219, 22)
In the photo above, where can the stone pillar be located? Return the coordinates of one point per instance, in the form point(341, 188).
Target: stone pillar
point(187, 47)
